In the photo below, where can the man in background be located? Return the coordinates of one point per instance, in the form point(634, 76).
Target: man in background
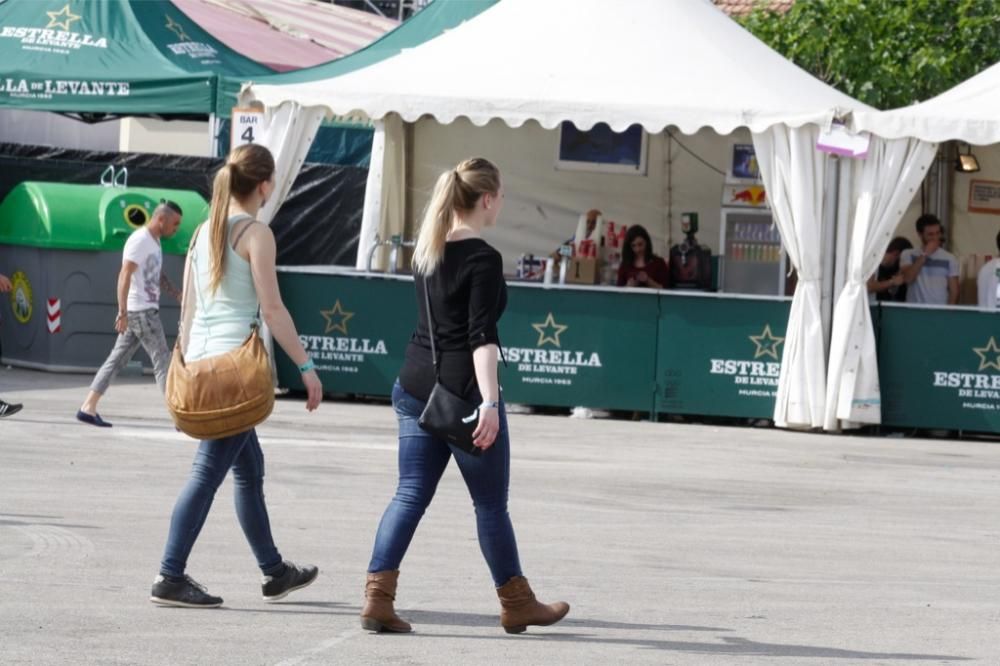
point(931, 272)
point(138, 321)
point(989, 276)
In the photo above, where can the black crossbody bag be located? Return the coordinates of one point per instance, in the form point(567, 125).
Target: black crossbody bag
point(447, 416)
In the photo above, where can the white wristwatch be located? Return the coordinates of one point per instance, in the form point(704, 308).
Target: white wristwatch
point(490, 403)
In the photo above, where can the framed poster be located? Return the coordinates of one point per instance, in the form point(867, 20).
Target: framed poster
point(602, 149)
point(984, 196)
point(744, 163)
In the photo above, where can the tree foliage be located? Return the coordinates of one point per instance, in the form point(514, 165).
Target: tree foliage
point(886, 53)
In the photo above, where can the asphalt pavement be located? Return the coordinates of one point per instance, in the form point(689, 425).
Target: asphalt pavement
point(674, 543)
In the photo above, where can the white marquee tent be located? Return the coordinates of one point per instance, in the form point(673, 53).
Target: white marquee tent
point(968, 112)
point(658, 63)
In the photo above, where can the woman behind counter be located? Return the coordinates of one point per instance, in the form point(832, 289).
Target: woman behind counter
point(640, 267)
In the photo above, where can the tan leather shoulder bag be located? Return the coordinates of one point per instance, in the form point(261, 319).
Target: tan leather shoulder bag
point(222, 395)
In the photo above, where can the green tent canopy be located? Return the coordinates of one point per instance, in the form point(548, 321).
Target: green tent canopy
point(111, 56)
point(428, 23)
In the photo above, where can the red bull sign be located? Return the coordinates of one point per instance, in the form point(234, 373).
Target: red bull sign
point(741, 195)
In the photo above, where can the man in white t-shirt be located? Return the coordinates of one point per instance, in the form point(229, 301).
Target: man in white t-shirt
point(987, 281)
point(930, 271)
point(138, 321)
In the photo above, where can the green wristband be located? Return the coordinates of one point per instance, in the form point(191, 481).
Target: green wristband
point(307, 366)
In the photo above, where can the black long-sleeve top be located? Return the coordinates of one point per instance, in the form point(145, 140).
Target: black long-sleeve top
point(467, 295)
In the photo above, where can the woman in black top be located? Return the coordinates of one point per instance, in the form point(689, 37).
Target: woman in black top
point(463, 276)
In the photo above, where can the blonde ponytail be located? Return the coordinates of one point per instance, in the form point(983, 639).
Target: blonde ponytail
point(246, 167)
point(218, 226)
point(437, 222)
point(456, 190)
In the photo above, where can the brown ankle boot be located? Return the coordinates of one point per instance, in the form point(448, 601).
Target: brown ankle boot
point(378, 614)
point(519, 608)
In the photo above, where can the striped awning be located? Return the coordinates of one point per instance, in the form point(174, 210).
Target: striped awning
point(286, 34)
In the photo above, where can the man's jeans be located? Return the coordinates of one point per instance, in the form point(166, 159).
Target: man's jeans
point(242, 453)
point(144, 328)
point(422, 461)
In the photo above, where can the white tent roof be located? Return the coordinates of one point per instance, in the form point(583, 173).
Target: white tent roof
point(652, 62)
point(970, 112)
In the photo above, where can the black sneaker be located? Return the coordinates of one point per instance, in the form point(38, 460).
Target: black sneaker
point(6, 409)
point(294, 578)
point(185, 593)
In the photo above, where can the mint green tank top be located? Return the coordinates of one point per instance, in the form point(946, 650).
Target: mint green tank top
point(221, 320)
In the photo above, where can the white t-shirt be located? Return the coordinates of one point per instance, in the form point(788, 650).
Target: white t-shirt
point(144, 290)
point(931, 285)
point(987, 283)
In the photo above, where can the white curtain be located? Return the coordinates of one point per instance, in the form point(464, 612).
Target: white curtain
point(883, 183)
point(289, 131)
point(372, 212)
point(385, 193)
point(794, 173)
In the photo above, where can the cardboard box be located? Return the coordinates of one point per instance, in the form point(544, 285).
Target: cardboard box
point(585, 270)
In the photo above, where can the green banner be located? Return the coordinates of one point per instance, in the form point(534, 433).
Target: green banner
point(719, 356)
point(940, 368)
point(561, 346)
point(111, 56)
point(355, 329)
point(575, 347)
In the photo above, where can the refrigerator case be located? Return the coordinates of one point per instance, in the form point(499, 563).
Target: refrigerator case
point(753, 260)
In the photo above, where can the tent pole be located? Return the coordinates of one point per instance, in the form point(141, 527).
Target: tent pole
point(843, 225)
point(368, 239)
point(830, 216)
point(213, 135)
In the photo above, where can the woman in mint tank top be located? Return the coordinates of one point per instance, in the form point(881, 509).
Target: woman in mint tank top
point(228, 297)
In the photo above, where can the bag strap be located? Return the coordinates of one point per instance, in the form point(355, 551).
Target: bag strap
point(430, 330)
point(187, 314)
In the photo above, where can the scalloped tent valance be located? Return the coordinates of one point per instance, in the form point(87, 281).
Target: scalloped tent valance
point(970, 112)
point(653, 62)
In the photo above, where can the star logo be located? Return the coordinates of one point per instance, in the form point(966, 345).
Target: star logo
point(177, 29)
point(548, 331)
point(990, 351)
point(67, 18)
point(767, 344)
point(336, 318)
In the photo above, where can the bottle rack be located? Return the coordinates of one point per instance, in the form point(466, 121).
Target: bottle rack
point(754, 242)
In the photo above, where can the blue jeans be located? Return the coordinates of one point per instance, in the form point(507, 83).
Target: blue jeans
point(215, 457)
point(422, 460)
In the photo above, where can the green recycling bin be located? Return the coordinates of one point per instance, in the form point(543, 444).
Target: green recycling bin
point(61, 247)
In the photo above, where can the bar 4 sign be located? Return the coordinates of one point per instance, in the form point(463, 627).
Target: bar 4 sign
point(247, 126)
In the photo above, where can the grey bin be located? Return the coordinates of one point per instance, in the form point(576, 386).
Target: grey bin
point(64, 242)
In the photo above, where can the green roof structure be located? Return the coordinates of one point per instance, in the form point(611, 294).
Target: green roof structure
point(125, 57)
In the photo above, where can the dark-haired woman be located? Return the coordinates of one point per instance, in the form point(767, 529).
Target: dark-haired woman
point(640, 267)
